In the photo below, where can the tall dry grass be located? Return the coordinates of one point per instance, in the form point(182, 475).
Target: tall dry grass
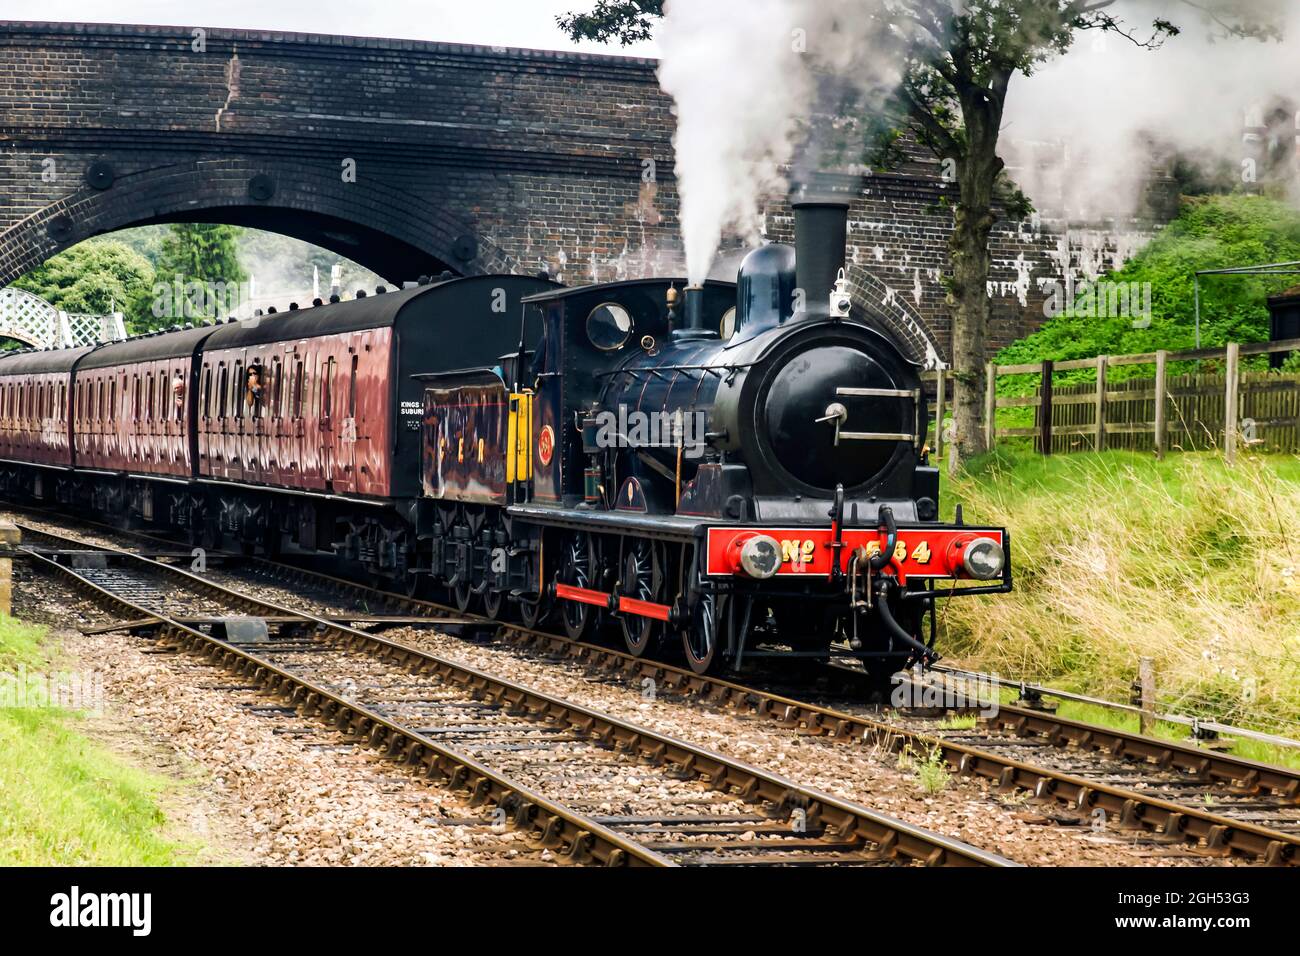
point(1119, 557)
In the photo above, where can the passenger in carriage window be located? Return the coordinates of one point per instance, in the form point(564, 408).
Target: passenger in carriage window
point(253, 391)
point(178, 394)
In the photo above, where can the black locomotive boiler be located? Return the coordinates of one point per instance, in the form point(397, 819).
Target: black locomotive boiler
point(738, 470)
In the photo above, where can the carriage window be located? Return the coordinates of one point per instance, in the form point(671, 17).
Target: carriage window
point(149, 403)
point(237, 391)
point(63, 401)
point(207, 391)
point(112, 395)
point(327, 390)
point(352, 390)
point(221, 391)
point(297, 389)
point(608, 326)
point(277, 387)
point(135, 397)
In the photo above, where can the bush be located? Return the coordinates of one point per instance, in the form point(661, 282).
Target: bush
point(1211, 232)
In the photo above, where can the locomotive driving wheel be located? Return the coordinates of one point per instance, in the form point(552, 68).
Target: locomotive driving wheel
point(578, 569)
point(643, 579)
point(706, 638)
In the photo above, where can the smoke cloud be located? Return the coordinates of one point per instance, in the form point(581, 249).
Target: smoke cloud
point(1080, 133)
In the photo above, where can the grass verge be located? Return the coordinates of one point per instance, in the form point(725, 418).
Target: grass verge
point(64, 800)
point(1118, 556)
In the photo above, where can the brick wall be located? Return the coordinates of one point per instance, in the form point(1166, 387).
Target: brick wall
point(468, 158)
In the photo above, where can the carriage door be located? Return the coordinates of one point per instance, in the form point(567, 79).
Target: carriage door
point(325, 376)
point(296, 468)
point(355, 435)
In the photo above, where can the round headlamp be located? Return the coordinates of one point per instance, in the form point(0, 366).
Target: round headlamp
point(760, 556)
point(983, 559)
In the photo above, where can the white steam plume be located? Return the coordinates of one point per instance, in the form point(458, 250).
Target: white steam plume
point(735, 77)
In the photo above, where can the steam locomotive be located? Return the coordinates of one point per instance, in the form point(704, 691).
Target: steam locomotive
point(735, 469)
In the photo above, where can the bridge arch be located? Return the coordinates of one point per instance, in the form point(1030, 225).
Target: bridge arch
point(892, 310)
point(394, 233)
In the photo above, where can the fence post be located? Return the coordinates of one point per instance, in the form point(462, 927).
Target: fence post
point(1230, 403)
point(990, 405)
point(1099, 442)
point(1045, 408)
point(10, 537)
point(1147, 679)
point(1162, 358)
point(938, 414)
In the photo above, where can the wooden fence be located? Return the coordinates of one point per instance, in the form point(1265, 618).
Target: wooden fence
point(1179, 406)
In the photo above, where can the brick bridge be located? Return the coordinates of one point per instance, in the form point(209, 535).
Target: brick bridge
point(411, 157)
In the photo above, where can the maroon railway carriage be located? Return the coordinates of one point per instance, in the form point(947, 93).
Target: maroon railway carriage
point(34, 388)
point(297, 429)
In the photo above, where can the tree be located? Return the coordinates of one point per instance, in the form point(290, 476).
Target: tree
point(956, 59)
point(201, 259)
point(95, 277)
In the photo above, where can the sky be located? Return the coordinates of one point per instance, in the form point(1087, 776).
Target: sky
point(517, 23)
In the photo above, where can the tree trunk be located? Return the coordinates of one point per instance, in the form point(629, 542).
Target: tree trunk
point(968, 295)
point(970, 304)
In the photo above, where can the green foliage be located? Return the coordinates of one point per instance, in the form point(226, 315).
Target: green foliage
point(1212, 232)
point(203, 251)
point(203, 258)
point(95, 276)
point(628, 21)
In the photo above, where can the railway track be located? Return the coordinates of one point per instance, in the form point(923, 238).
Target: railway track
point(1220, 804)
point(591, 787)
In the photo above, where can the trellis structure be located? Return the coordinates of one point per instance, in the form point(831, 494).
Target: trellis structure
point(29, 319)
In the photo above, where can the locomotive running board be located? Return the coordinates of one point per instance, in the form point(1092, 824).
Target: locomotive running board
point(627, 605)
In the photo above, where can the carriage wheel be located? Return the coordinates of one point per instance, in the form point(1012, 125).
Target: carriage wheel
point(706, 639)
point(494, 603)
point(578, 569)
point(643, 579)
point(463, 593)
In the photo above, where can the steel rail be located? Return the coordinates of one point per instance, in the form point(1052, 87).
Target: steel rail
point(1216, 833)
point(580, 838)
point(1133, 808)
point(892, 838)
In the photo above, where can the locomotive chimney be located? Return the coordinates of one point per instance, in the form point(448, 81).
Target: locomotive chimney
point(820, 231)
point(692, 326)
point(694, 307)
